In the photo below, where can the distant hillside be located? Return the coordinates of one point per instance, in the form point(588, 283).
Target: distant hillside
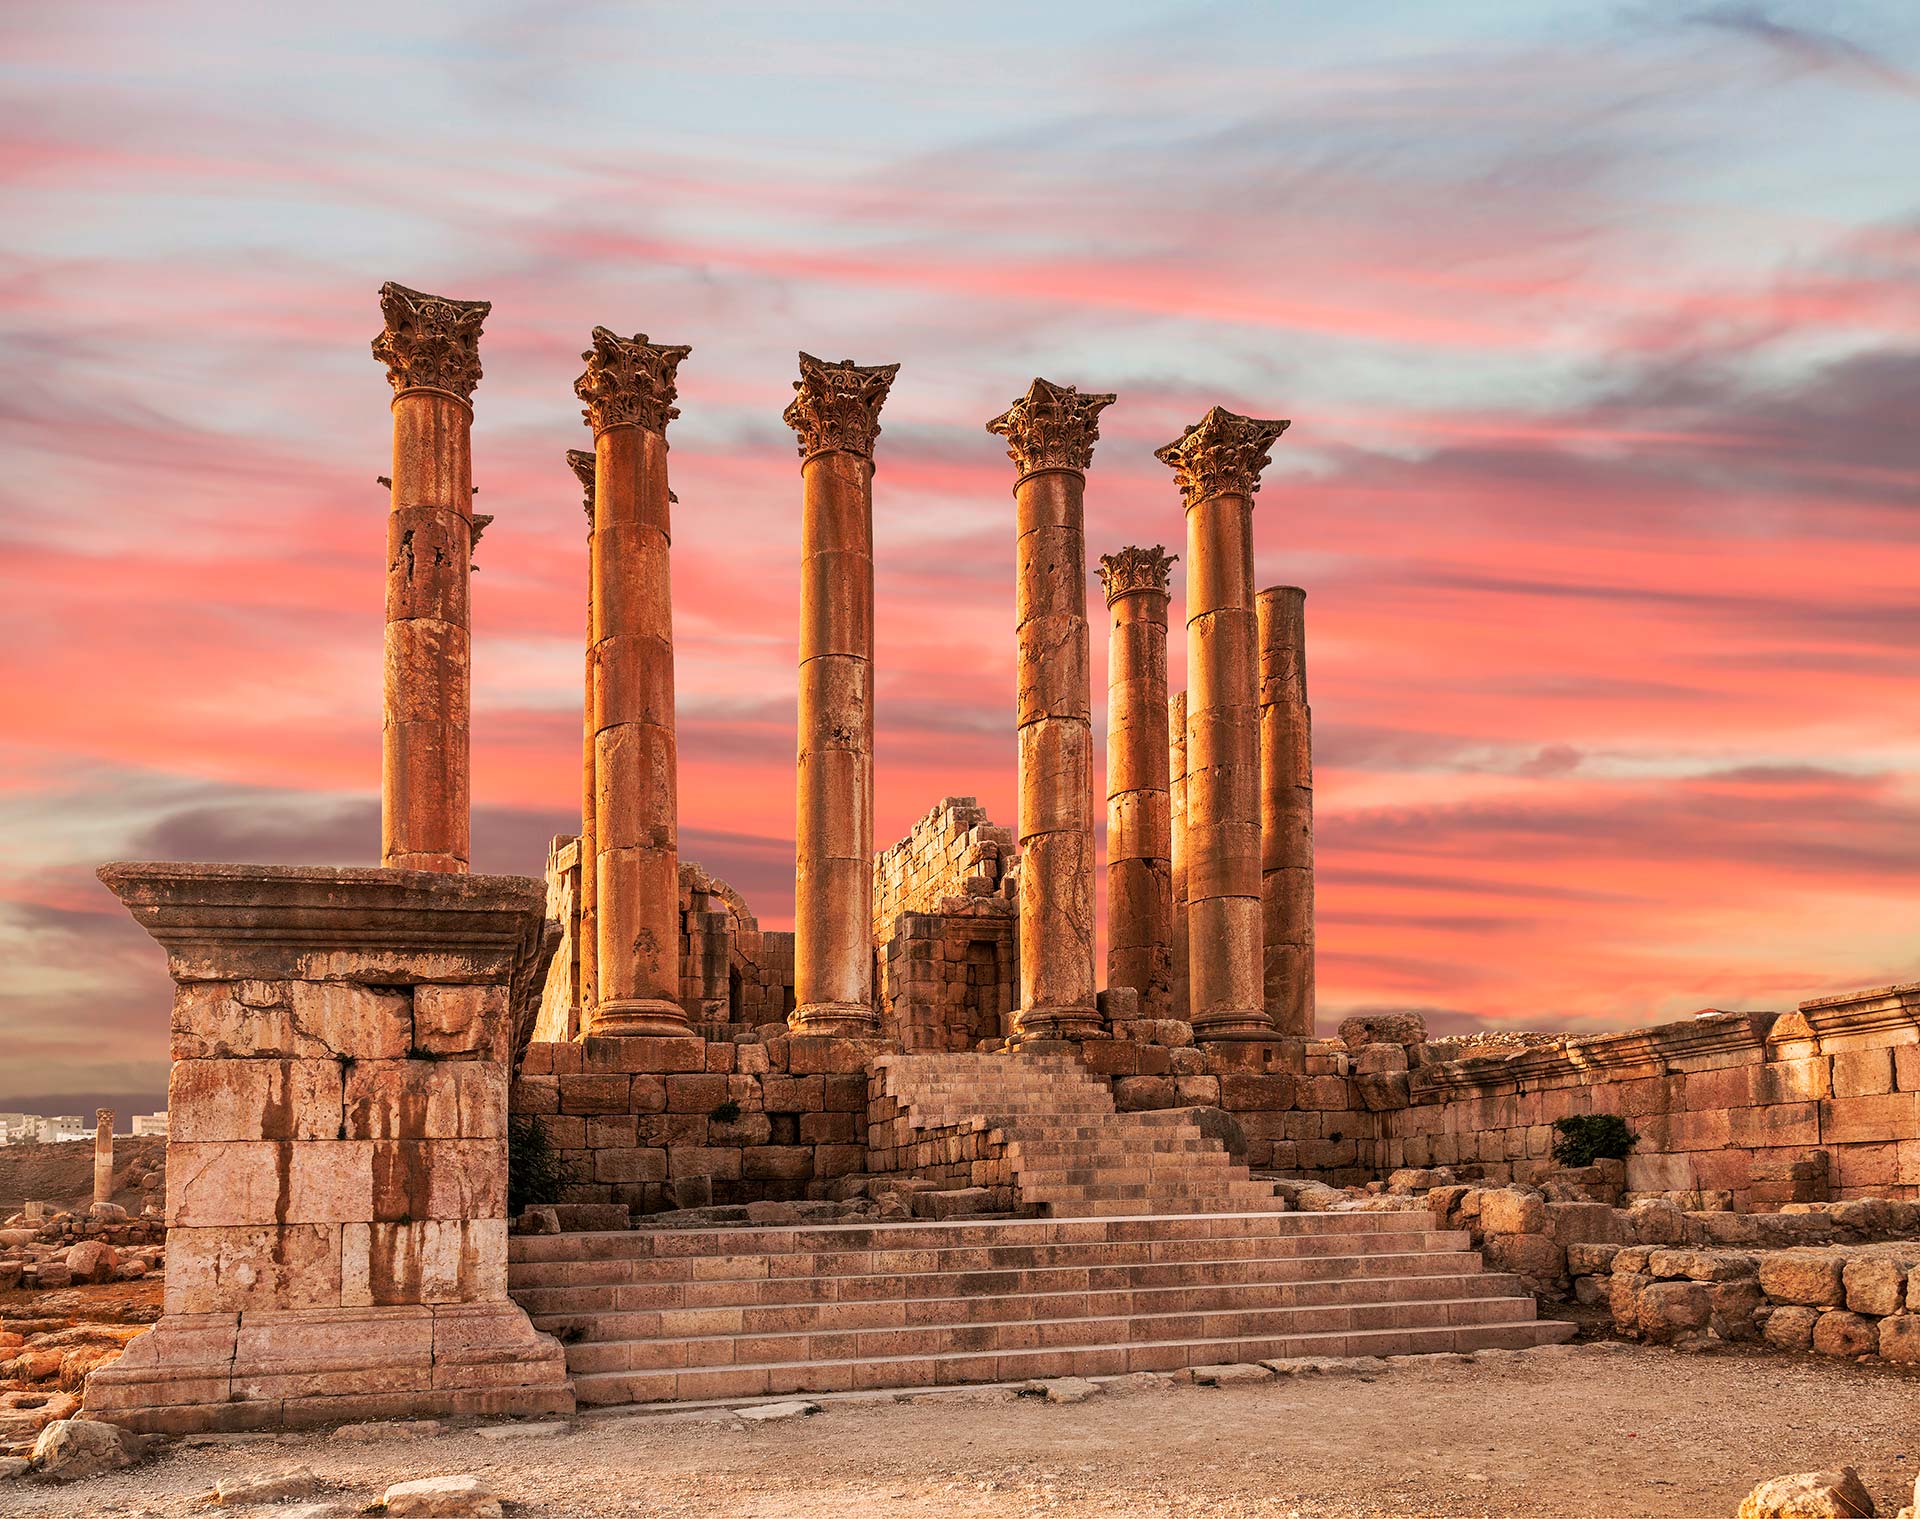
point(63, 1173)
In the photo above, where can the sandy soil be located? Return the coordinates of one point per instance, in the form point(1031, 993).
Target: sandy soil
point(1601, 1431)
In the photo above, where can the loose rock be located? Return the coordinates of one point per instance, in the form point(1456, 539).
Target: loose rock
point(69, 1450)
point(1810, 1495)
point(275, 1487)
point(462, 1497)
point(795, 1408)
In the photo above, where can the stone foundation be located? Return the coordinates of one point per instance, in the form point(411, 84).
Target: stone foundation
point(336, 1158)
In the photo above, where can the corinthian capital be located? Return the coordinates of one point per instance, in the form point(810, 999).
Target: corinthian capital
point(1051, 427)
point(581, 463)
point(837, 406)
point(1133, 570)
point(430, 342)
point(1221, 455)
point(629, 382)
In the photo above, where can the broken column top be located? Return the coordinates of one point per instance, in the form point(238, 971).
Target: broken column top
point(1221, 455)
point(837, 406)
point(629, 382)
point(1052, 427)
point(581, 462)
point(1135, 570)
point(430, 342)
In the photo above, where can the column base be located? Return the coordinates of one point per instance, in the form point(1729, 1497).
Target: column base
point(653, 1017)
point(1069, 1023)
point(841, 1020)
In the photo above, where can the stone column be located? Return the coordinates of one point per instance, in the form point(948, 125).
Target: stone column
point(431, 347)
point(835, 414)
point(103, 1155)
point(1050, 433)
point(1177, 847)
point(1217, 462)
point(1139, 821)
point(586, 986)
point(629, 390)
point(1286, 811)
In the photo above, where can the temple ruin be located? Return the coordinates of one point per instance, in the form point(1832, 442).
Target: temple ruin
point(891, 1145)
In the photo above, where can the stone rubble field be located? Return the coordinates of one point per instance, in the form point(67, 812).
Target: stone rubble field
point(1600, 1429)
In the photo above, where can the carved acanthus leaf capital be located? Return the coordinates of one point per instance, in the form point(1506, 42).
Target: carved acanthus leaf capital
point(1051, 427)
point(581, 462)
point(1133, 570)
point(629, 382)
point(837, 406)
point(1221, 455)
point(430, 342)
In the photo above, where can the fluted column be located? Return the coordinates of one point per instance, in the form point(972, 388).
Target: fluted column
point(583, 465)
point(835, 415)
point(1286, 811)
point(1139, 820)
point(103, 1155)
point(1177, 847)
point(431, 347)
point(629, 388)
point(1050, 433)
point(1217, 462)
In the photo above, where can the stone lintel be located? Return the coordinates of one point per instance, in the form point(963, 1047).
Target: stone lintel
point(629, 382)
point(430, 342)
point(1221, 455)
point(837, 406)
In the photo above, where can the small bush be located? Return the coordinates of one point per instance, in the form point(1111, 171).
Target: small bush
point(1593, 1136)
point(727, 1112)
point(535, 1172)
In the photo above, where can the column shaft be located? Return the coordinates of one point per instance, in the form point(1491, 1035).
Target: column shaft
point(1177, 848)
point(1219, 461)
point(431, 349)
point(629, 388)
point(1286, 812)
point(103, 1155)
point(1139, 820)
point(835, 415)
point(584, 465)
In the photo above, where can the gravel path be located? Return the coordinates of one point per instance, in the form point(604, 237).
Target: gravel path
point(1601, 1431)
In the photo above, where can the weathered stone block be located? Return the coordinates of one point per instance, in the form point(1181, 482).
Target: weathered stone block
point(695, 1094)
point(290, 1020)
point(225, 1270)
point(1863, 1073)
point(1246, 1092)
point(1807, 1277)
point(425, 1099)
point(241, 1183)
point(1791, 1328)
point(1511, 1212)
point(643, 1055)
point(630, 1165)
point(1867, 1120)
point(213, 1100)
point(416, 1179)
point(461, 1020)
point(1877, 1284)
point(1900, 1337)
point(1840, 1333)
point(594, 1094)
point(424, 1261)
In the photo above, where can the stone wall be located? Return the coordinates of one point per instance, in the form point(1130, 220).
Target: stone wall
point(664, 1123)
point(1748, 1111)
point(336, 1158)
point(947, 980)
point(954, 851)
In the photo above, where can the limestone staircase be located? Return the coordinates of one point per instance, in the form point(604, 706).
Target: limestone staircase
point(1071, 1154)
point(1160, 1254)
point(659, 1315)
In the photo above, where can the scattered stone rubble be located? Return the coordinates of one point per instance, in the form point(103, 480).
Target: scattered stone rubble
point(69, 1248)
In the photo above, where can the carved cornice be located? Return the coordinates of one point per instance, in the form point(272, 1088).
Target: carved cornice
point(629, 382)
point(581, 462)
point(1134, 570)
point(837, 406)
point(1221, 455)
point(1051, 427)
point(430, 342)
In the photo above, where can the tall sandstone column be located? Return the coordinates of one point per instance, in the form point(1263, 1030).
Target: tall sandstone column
point(583, 465)
point(431, 347)
point(1050, 433)
point(1139, 820)
point(103, 1155)
point(1286, 811)
point(1177, 848)
point(1217, 462)
point(835, 414)
point(629, 388)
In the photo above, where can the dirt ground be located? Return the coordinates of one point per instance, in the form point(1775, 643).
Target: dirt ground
point(1586, 1431)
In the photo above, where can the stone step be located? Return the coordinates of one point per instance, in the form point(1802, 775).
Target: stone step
point(1112, 1359)
point(632, 1285)
point(883, 1311)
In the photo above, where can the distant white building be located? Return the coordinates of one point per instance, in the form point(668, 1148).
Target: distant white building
point(149, 1123)
point(62, 1127)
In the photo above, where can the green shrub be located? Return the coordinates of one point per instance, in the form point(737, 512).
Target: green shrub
point(726, 1112)
point(535, 1172)
point(1593, 1136)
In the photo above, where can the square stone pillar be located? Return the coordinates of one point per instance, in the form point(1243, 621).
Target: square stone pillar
point(336, 1150)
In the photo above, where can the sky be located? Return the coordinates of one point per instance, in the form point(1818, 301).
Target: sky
point(1598, 326)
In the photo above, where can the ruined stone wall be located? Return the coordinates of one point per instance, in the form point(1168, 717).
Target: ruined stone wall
point(1750, 1111)
point(954, 851)
point(665, 1123)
